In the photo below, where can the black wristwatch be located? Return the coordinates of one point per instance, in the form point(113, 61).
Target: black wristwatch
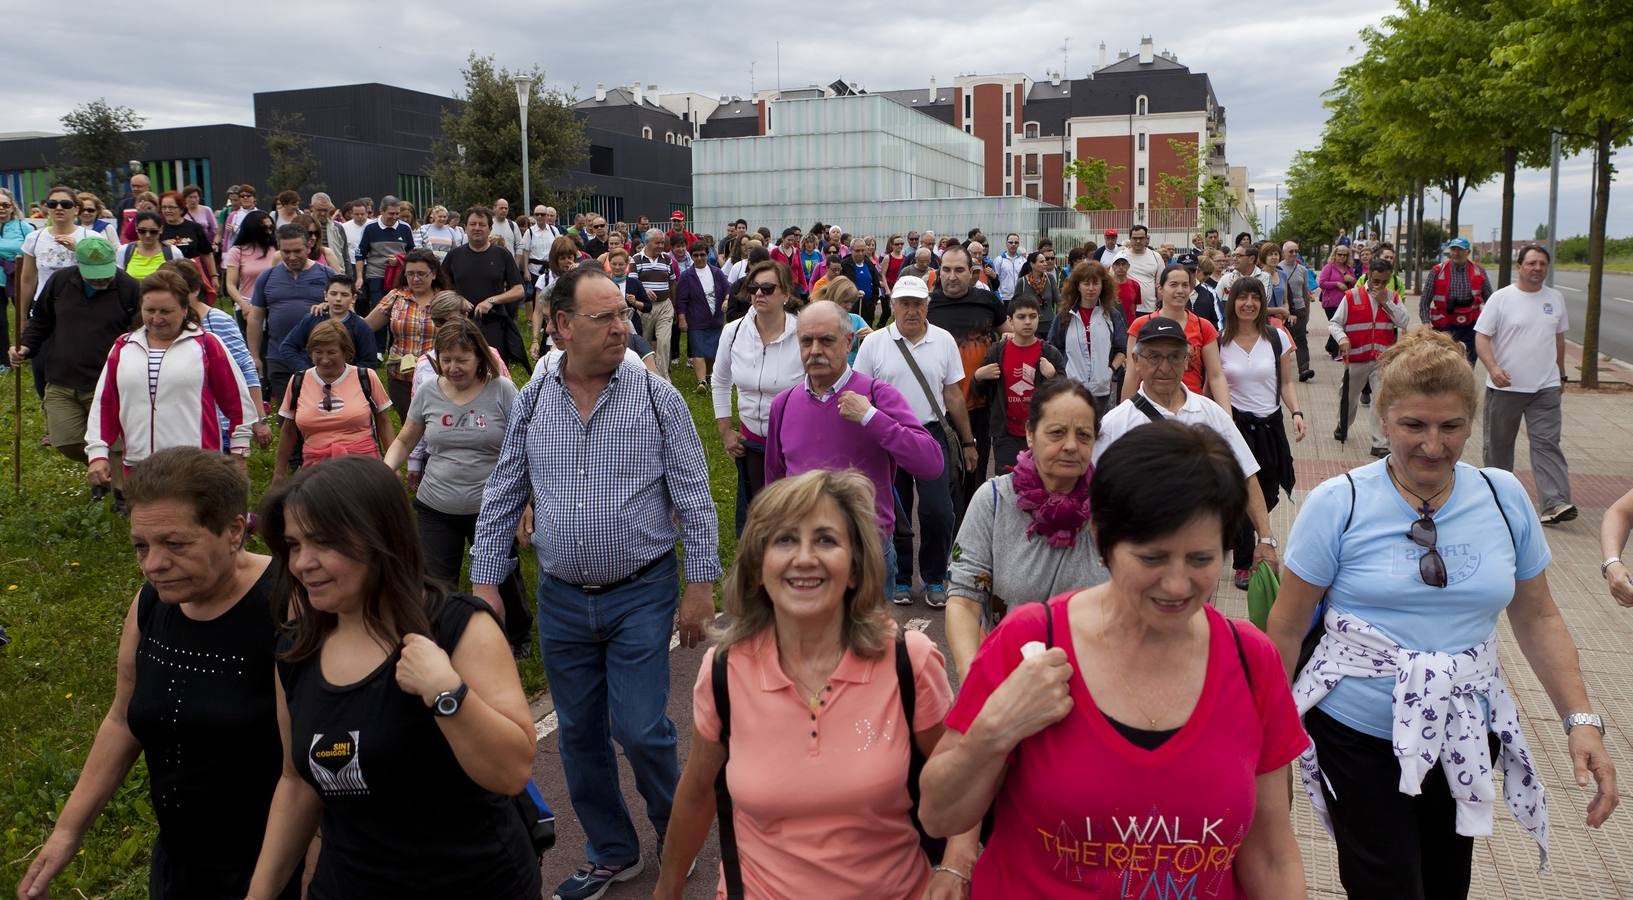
point(447, 703)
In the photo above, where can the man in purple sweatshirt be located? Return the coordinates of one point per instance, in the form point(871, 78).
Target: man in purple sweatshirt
point(841, 419)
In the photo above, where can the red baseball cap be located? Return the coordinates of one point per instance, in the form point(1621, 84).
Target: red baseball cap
point(677, 216)
point(1111, 232)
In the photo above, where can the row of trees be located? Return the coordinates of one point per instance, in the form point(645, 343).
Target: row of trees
point(1452, 94)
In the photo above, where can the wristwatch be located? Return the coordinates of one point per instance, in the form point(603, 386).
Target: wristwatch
point(1575, 719)
point(448, 702)
point(1271, 541)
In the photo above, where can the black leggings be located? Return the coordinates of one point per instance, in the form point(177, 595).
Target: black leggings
point(1390, 846)
point(446, 537)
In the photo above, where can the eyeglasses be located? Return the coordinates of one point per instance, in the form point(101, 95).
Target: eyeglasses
point(147, 231)
point(314, 234)
point(604, 319)
point(412, 274)
point(764, 287)
point(61, 204)
point(1431, 567)
point(1161, 359)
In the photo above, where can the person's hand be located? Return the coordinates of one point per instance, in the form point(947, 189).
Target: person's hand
point(1343, 347)
point(1034, 696)
point(1264, 553)
point(533, 353)
point(854, 406)
point(98, 475)
point(16, 355)
point(260, 367)
point(1349, 279)
point(987, 372)
point(1299, 428)
point(1589, 758)
point(972, 455)
point(278, 478)
point(55, 856)
point(680, 322)
point(1621, 583)
point(66, 240)
point(1046, 367)
point(262, 434)
point(696, 612)
point(412, 479)
point(484, 307)
point(319, 309)
point(424, 669)
point(524, 525)
point(733, 442)
point(1499, 376)
point(945, 885)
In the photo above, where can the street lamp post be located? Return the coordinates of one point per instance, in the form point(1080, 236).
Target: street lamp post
point(524, 92)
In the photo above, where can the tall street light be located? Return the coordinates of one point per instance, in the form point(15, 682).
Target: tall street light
point(524, 92)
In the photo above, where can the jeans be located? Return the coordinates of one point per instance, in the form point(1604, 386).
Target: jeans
point(936, 518)
point(1544, 417)
point(607, 658)
point(373, 290)
point(1006, 451)
point(446, 537)
point(1301, 338)
point(1463, 334)
point(981, 424)
point(750, 479)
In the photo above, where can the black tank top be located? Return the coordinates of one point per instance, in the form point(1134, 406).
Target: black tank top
point(204, 710)
point(401, 819)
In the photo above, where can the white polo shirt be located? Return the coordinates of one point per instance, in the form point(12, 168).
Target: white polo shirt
point(937, 356)
point(1198, 410)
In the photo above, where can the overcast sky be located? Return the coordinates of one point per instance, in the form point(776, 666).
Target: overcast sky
point(1269, 71)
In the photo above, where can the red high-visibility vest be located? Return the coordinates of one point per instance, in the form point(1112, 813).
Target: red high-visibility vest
point(1369, 331)
point(1439, 315)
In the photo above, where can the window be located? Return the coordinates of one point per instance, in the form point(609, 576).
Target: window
point(1009, 103)
point(668, 137)
point(646, 132)
point(1139, 212)
point(968, 128)
point(1030, 129)
point(1142, 141)
point(1142, 176)
point(1009, 165)
point(1068, 157)
point(969, 108)
point(1009, 138)
point(1032, 191)
point(1140, 106)
point(1031, 164)
point(601, 160)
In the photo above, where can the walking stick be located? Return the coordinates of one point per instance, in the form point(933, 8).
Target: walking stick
point(17, 408)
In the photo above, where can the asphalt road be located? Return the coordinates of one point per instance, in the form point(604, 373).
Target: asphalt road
point(1615, 313)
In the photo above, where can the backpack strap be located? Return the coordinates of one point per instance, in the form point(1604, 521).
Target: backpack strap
point(1145, 406)
point(1498, 500)
point(1275, 345)
point(1048, 625)
point(367, 388)
point(730, 863)
point(1241, 655)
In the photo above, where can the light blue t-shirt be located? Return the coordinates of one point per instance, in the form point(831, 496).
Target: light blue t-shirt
point(1372, 569)
point(857, 324)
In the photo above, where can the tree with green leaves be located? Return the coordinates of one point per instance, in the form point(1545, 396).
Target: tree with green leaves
point(1191, 188)
point(97, 144)
point(479, 155)
point(294, 168)
point(1093, 177)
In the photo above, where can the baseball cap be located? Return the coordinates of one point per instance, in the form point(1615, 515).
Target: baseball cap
point(677, 216)
point(1111, 232)
point(1121, 257)
point(911, 286)
point(1186, 259)
point(1459, 243)
point(1158, 328)
point(95, 257)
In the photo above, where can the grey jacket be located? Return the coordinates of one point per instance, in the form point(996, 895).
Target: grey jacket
point(1019, 568)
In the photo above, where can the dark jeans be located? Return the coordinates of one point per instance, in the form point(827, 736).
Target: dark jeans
point(607, 658)
point(1006, 449)
point(401, 394)
point(750, 478)
point(37, 361)
point(276, 384)
point(981, 424)
point(169, 879)
point(936, 521)
point(1463, 334)
point(447, 537)
point(1301, 339)
point(1390, 846)
point(373, 290)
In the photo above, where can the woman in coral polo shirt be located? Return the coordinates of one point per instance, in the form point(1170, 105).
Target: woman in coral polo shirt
point(819, 759)
point(1145, 752)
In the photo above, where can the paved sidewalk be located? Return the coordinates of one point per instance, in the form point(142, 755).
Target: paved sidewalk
point(1598, 438)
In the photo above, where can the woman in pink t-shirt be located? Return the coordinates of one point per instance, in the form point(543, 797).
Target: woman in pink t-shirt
point(1145, 752)
point(818, 745)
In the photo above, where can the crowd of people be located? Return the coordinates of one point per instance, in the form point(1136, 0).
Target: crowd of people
point(1060, 455)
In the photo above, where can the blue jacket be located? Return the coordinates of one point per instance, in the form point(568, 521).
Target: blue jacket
point(12, 234)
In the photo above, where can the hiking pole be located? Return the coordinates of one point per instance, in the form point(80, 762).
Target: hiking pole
point(17, 408)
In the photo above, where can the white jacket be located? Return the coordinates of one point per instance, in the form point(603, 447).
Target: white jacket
point(759, 371)
point(196, 377)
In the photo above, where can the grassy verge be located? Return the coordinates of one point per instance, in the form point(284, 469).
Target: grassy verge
point(1615, 265)
point(67, 576)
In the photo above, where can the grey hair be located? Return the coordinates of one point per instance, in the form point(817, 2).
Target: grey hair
point(653, 233)
point(389, 200)
point(319, 197)
point(839, 313)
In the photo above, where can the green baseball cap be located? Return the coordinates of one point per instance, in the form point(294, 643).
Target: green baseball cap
point(95, 257)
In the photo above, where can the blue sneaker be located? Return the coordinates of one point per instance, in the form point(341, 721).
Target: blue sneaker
point(591, 880)
point(936, 596)
point(902, 595)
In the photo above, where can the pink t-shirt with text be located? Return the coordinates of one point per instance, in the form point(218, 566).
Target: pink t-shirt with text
point(1083, 812)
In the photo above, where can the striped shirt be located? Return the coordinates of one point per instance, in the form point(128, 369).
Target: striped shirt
point(596, 529)
point(155, 359)
point(655, 275)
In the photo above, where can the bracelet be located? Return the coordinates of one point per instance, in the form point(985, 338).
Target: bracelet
point(953, 872)
point(969, 443)
point(1298, 413)
point(1604, 567)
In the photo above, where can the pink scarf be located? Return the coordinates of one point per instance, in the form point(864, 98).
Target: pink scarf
point(1058, 517)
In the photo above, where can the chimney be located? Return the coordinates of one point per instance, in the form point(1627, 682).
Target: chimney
point(652, 92)
point(1102, 63)
point(600, 91)
point(932, 88)
point(635, 92)
point(1146, 53)
point(1054, 78)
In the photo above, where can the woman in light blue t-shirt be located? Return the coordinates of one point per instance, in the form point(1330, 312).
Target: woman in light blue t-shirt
point(1419, 554)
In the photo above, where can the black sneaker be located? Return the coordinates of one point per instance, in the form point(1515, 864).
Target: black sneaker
point(99, 493)
point(1306, 375)
point(591, 880)
point(119, 505)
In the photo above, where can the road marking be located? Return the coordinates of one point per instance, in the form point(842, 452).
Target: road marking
point(1566, 287)
point(1622, 299)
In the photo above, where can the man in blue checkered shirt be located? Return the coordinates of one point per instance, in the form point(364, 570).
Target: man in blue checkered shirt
point(608, 457)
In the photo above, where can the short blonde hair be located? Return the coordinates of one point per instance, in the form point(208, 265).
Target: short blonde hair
point(866, 627)
point(1425, 362)
point(839, 290)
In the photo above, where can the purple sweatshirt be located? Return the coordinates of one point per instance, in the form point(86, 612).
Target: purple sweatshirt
point(805, 433)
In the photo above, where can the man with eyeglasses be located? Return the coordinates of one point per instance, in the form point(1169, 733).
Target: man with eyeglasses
point(284, 296)
point(608, 454)
point(1008, 265)
point(1161, 352)
point(139, 185)
point(486, 274)
point(1364, 324)
point(1144, 265)
point(323, 209)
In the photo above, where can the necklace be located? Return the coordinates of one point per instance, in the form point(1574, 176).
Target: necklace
point(1150, 722)
point(1426, 506)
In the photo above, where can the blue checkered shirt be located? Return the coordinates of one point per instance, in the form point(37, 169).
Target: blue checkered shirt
point(605, 493)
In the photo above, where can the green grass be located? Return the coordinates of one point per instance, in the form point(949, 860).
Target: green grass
point(67, 576)
point(1621, 264)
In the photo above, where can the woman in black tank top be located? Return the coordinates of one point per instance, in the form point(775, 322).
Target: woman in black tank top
point(407, 728)
point(195, 692)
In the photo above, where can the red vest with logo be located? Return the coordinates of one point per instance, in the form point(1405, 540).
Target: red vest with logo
point(1369, 330)
point(1440, 316)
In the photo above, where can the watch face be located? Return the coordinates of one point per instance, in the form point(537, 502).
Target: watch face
point(447, 705)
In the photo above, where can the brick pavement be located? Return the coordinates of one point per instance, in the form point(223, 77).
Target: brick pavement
point(1598, 437)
